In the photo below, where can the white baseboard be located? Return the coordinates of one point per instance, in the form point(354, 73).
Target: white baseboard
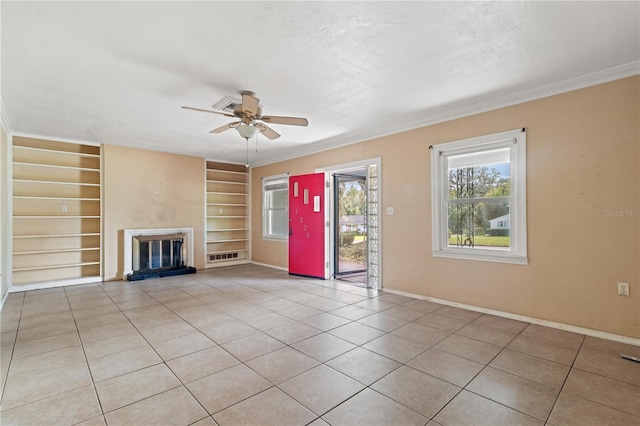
point(53, 284)
point(4, 298)
point(524, 318)
point(270, 266)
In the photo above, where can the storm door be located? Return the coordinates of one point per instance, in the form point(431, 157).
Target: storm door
point(350, 248)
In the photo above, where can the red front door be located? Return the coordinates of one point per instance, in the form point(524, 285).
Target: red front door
point(306, 225)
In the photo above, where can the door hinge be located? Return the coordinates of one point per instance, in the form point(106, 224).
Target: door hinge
point(327, 224)
point(327, 264)
point(327, 184)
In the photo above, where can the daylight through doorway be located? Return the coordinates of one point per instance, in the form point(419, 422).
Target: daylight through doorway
point(350, 248)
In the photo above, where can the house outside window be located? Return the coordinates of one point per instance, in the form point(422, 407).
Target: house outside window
point(479, 198)
point(275, 207)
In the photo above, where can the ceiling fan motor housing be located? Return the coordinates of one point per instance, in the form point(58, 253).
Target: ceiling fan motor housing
point(239, 112)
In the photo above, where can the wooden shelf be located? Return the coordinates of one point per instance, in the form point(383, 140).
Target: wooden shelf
point(227, 230)
point(77, 154)
point(227, 204)
point(42, 268)
point(91, 234)
point(49, 176)
point(56, 166)
point(76, 148)
point(226, 182)
point(229, 172)
point(228, 193)
point(33, 197)
point(228, 240)
point(54, 182)
point(54, 217)
point(56, 250)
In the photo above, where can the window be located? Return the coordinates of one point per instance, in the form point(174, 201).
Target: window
point(479, 199)
point(275, 207)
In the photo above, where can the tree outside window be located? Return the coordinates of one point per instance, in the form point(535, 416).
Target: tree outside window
point(478, 196)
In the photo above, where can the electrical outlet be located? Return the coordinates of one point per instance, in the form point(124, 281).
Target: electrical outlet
point(623, 289)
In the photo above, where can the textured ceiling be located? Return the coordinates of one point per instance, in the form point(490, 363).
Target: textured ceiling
point(118, 72)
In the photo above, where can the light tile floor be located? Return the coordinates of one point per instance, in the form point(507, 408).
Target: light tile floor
point(249, 345)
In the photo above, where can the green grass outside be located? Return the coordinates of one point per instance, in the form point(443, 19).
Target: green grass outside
point(482, 240)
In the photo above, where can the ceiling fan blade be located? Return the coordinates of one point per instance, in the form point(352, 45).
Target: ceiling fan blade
point(293, 121)
point(208, 110)
point(250, 103)
point(225, 127)
point(267, 131)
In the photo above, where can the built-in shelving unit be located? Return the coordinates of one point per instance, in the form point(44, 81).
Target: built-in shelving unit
point(227, 214)
point(56, 212)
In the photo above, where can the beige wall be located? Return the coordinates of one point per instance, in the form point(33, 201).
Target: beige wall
point(145, 189)
point(583, 159)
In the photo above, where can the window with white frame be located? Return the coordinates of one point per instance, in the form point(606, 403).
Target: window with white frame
point(479, 198)
point(275, 207)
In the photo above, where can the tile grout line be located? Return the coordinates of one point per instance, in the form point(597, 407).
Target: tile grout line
point(464, 388)
point(40, 353)
point(182, 384)
point(360, 346)
point(93, 383)
point(295, 349)
point(13, 350)
point(245, 282)
point(322, 331)
point(564, 382)
point(164, 362)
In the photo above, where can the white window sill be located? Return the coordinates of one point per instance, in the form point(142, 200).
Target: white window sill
point(277, 239)
point(485, 256)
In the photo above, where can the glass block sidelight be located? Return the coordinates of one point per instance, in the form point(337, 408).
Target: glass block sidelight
point(374, 270)
point(372, 223)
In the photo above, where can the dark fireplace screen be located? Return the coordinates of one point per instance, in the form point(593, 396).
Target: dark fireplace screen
point(158, 256)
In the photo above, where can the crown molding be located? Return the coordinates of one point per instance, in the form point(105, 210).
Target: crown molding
point(449, 113)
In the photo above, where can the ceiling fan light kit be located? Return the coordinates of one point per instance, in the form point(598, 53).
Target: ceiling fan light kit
point(250, 114)
point(247, 131)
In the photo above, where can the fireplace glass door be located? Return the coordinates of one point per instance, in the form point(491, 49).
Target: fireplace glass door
point(151, 253)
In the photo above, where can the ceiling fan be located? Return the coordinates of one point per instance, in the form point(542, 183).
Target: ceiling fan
point(250, 114)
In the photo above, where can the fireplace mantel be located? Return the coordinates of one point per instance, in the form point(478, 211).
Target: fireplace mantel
point(129, 234)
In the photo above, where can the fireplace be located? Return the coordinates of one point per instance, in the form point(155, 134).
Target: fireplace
point(157, 253)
